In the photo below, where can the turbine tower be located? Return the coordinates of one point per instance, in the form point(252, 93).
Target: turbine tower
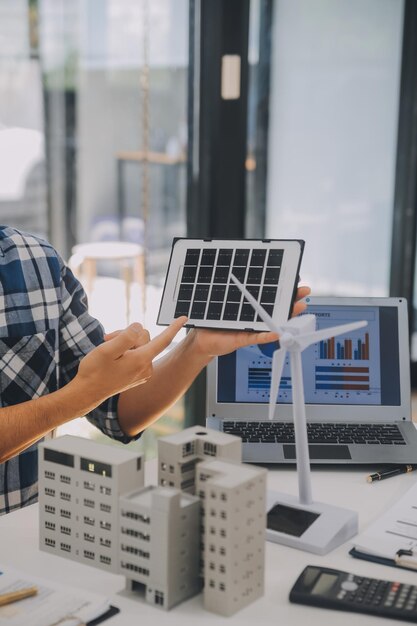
point(323, 526)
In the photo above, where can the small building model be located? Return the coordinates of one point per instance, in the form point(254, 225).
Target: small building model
point(79, 486)
point(178, 454)
point(160, 544)
point(233, 514)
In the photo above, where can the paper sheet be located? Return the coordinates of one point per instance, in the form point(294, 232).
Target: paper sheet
point(54, 604)
point(395, 530)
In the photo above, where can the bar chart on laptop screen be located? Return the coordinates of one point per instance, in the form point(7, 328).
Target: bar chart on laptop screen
point(336, 371)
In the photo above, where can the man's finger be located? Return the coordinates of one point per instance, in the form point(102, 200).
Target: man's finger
point(162, 341)
point(124, 340)
point(302, 292)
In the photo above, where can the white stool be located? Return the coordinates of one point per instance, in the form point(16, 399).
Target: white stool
point(130, 256)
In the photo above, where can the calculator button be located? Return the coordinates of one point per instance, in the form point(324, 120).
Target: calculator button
point(349, 585)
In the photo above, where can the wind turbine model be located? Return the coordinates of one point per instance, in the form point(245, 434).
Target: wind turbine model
point(313, 526)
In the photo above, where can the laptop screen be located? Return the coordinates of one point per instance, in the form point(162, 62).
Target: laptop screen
point(359, 368)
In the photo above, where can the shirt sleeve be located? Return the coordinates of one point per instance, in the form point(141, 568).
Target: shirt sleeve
point(79, 334)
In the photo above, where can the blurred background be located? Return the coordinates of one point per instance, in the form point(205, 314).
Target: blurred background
point(121, 129)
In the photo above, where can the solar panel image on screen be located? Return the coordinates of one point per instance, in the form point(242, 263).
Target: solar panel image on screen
point(199, 283)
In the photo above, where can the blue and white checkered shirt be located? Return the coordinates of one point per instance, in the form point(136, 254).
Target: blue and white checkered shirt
point(45, 329)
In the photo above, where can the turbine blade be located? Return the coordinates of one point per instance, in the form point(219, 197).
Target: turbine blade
point(258, 308)
point(327, 333)
point(278, 359)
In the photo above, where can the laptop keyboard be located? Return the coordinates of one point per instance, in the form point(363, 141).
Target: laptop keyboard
point(283, 432)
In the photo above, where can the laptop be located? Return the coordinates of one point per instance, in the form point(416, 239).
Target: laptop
point(356, 387)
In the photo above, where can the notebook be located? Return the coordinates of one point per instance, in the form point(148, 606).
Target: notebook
point(392, 538)
point(356, 386)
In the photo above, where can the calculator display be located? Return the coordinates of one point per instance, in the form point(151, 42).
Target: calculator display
point(324, 584)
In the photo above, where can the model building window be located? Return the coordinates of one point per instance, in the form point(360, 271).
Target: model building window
point(187, 467)
point(188, 448)
point(222, 587)
point(211, 583)
point(223, 497)
point(209, 449)
point(50, 475)
point(159, 598)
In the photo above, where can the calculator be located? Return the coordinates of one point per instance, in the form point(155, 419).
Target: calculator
point(335, 589)
point(199, 281)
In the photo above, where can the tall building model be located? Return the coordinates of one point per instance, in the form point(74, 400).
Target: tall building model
point(80, 482)
point(94, 508)
point(160, 543)
point(233, 498)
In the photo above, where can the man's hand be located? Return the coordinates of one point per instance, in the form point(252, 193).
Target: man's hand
point(211, 343)
point(124, 360)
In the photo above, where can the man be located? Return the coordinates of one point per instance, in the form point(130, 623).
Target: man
point(55, 364)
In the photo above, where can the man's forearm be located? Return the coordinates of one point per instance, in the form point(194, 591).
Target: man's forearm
point(23, 424)
point(173, 374)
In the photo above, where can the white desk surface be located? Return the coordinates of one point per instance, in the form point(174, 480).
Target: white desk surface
point(344, 487)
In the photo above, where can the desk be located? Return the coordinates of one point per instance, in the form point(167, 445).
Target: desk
point(19, 548)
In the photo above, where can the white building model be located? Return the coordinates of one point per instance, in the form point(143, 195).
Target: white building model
point(80, 482)
point(233, 498)
point(160, 544)
point(93, 508)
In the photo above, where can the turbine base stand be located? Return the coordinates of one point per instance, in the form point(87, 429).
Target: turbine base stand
point(316, 527)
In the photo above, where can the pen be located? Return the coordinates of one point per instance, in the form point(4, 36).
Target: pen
point(391, 471)
point(20, 594)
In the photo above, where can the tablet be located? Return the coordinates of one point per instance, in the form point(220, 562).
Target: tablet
point(198, 282)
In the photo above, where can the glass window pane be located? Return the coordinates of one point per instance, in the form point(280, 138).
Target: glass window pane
point(332, 140)
point(22, 143)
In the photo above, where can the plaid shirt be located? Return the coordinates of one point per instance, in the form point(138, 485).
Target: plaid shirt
point(45, 330)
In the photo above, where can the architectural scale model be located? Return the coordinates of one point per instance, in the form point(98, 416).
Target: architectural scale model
point(178, 454)
point(160, 544)
point(94, 508)
point(80, 482)
point(233, 499)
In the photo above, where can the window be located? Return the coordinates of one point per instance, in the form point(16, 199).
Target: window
point(332, 138)
point(159, 598)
